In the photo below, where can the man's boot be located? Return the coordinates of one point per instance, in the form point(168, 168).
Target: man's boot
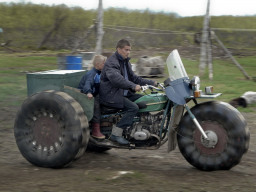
point(96, 131)
point(116, 136)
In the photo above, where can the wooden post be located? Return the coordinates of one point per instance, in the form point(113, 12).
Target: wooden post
point(231, 57)
point(100, 32)
point(209, 55)
point(205, 37)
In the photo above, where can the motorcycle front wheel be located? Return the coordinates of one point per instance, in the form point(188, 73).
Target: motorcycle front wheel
point(227, 132)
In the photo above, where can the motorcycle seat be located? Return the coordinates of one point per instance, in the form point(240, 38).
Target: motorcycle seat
point(109, 110)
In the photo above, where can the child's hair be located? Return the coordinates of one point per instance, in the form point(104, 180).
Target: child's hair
point(98, 59)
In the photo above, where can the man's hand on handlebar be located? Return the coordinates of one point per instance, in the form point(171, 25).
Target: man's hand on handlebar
point(137, 88)
point(151, 87)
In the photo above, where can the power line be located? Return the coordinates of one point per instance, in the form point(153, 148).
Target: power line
point(232, 29)
point(148, 32)
point(140, 28)
point(178, 32)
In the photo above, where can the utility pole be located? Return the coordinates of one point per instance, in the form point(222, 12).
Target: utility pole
point(209, 55)
point(206, 50)
point(204, 41)
point(100, 32)
point(231, 57)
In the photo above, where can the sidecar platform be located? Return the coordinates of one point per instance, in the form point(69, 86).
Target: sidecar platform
point(206, 96)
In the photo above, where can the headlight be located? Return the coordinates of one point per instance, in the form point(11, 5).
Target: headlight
point(195, 83)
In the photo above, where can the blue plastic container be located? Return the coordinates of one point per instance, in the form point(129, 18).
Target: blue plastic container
point(74, 62)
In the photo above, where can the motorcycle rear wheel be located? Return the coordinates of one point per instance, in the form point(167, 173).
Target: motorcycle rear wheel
point(226, 129)
point(51, 129)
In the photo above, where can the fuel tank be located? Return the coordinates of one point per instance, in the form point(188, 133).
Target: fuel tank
point(154, 102)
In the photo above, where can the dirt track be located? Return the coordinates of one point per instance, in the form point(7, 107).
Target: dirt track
point(145, 170)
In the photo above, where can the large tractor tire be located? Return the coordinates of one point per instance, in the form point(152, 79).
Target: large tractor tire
point(51, 129)
point(227, 132)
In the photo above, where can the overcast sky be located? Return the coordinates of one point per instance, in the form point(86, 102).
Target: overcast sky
point(181, 7)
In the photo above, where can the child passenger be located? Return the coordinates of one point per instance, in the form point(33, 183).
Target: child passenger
point(89, 85)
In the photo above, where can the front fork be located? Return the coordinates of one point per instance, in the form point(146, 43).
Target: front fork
point(172, 119)
point(196, 122)
point(192, 117)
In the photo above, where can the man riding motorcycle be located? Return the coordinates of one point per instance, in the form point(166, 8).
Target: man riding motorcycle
point(118, 86)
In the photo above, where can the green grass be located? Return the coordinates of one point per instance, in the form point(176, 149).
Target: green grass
point(227, 78)
point(13, 69)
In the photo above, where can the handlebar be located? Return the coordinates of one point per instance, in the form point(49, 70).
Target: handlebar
point(161, 85)
point(151, 87)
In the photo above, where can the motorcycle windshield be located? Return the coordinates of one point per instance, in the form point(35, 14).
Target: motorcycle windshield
point(175, 66)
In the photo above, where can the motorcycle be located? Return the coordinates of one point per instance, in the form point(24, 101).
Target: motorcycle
point(51, 128)
point(211, 135)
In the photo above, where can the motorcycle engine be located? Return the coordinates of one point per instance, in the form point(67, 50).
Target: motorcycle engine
point(148, 124)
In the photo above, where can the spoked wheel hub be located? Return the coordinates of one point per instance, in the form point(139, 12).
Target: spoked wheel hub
point(217, 138)
point(46, 131)
point(211, 141)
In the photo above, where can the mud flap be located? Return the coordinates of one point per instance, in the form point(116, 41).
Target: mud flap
point(172, 132)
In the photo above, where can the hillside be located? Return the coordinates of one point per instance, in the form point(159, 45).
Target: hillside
point(29, 26)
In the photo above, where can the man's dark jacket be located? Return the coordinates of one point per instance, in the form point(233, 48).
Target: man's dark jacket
point(113, 83)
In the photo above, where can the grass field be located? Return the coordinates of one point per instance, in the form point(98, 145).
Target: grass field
point(228, 79)
point(13, 69)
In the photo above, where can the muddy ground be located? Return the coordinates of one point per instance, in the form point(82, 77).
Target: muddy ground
point(117, 170)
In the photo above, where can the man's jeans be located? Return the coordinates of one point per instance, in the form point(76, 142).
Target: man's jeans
point(130, 109)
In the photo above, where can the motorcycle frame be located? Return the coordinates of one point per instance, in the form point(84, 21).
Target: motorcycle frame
point(166, 116)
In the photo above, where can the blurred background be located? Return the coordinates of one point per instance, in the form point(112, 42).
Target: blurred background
point(31, 25)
